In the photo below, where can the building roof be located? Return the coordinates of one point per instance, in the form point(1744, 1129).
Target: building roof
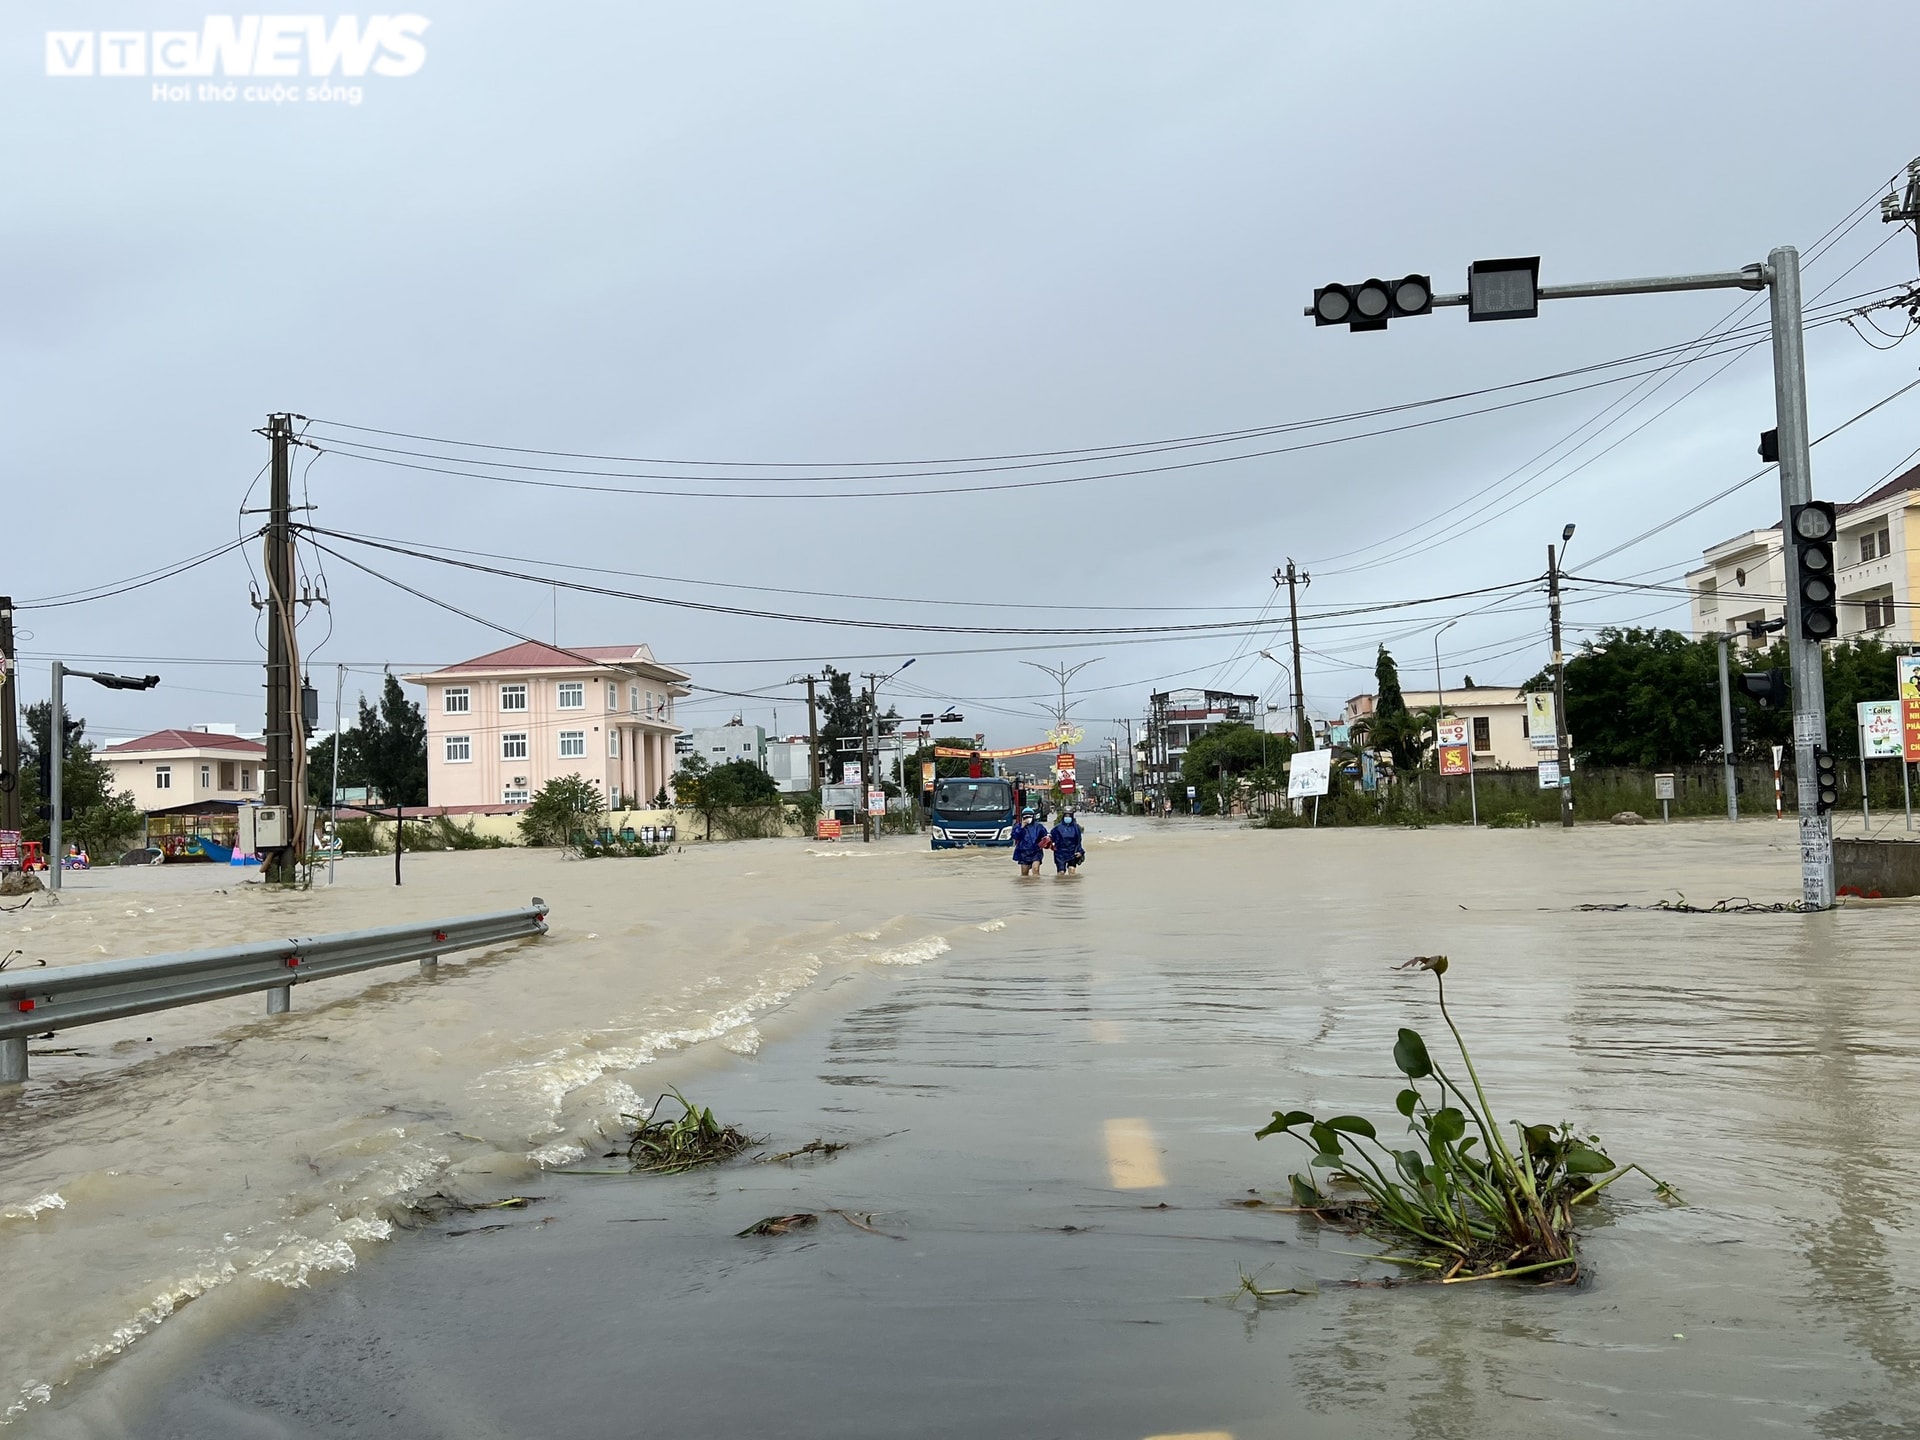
point(186, 740)
point(1906, 480)
point(535, 655)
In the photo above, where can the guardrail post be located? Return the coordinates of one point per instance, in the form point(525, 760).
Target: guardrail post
point(13, 1061)
point(279, 1000)
point(429, 964)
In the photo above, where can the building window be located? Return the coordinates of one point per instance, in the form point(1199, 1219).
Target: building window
point(1482, 734)
point(459, 749)
point(573, 694)
point(246, 777)
point(513, 697)
point(613, 694)
point(163, 777)
point(613, 744)
point(513, 797)
point(633, 698)
point(206, 777)
point(1709, 597)
point(229, 772)
point(456, 700)
point(573, 744)
point(513, 746)
point(1879, 612)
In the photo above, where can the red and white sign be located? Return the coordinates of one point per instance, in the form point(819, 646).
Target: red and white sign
point(1065, 769)
point(1455, 760)
point(10, 849)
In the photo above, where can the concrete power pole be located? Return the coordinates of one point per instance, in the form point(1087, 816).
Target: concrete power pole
point(813, 730)
point(1559, 687)
point(283, 661)
point(1302, 732)
point(9, 721)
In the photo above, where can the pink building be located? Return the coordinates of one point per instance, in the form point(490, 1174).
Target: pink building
point(500, 726)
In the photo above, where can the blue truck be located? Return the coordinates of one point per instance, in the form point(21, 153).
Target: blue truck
point(973, 811)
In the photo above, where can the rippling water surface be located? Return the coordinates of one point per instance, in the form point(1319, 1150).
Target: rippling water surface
point(1050, 1089)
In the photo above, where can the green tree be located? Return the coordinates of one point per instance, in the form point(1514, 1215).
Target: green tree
point(389, 746)
point(1231, 755)
point(846, 713)
point(562, 812)
point(717, 791)
point(1401, 732)
point(105, 820)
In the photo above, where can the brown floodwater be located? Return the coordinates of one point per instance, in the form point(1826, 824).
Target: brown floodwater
point(1049, 1089)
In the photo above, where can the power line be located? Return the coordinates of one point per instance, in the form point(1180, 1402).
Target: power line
point(136, 582)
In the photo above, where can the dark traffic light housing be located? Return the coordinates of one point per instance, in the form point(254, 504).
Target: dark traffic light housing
point(1372, 303)
point(1767, 687)
point(1739, 718)
point(1826, 776)
point(1813, 573)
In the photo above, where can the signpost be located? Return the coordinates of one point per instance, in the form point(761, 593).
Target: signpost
point(1663, 792)
point(1884, 735)
point(1456, 758)
point(1309, 775)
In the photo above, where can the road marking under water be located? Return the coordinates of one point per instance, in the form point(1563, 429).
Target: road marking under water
point(1107, 1032)
point(1133, 1160)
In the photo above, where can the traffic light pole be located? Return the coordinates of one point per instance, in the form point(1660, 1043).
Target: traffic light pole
point(1513, 296)
point(1796, 488)
point(1726, 730)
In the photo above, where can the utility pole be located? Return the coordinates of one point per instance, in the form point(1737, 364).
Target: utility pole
point(284, 747)
point(870, 758)
point(1560, 685)
point(1796, 488)
point(1301, 580)
point(333, 790)
point(1726, 730)
point(9, 721)
point(813, 730)
point(52, 758)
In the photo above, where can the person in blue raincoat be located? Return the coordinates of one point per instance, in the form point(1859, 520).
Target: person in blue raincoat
point(1069, 844)
point(1029, 838)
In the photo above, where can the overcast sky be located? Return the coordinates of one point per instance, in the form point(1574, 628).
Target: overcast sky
point(807, 233)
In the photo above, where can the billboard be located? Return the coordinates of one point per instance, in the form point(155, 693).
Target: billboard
point(1881, 733)
point(1540, 720)
point(1910, 704)
point(1309, 774)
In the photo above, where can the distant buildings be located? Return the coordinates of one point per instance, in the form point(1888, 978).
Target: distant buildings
point(1177, 718)
point(1877, 564)
point(789, 762)
point(190, 783)
point(499, 726)
point(723, 744)
point(1496, 717)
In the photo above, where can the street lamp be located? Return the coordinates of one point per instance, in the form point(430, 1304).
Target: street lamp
point(56, 751)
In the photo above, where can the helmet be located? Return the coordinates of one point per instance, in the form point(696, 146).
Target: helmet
point(1027, 811)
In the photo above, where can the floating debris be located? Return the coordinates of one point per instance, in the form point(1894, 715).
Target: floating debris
point(781, 1224)
point(693, 1139)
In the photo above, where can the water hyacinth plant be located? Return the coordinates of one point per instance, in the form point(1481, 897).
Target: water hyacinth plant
point(1470, 1204)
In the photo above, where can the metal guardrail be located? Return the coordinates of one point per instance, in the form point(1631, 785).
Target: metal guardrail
point(61, 997)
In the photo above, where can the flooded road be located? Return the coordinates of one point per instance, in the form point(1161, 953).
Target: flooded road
point(1049, 1092)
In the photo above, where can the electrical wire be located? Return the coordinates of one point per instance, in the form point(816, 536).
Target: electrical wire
point(137, 582)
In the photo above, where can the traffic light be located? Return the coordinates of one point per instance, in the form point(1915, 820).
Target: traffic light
point(1813, 579)
point(1826, 775)
point(1739, 728)
point(1766, 687)
point(1370, 304)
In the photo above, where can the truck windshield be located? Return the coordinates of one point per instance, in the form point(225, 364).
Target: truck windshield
point(973, 797)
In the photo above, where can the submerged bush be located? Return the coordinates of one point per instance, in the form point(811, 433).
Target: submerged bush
point(1472, 1206)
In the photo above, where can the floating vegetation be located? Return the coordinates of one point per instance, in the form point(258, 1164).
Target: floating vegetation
point(1732, 905)
point(1471, 1206)
point(687, 1142)
point(812, 1147)
point(781, 1224)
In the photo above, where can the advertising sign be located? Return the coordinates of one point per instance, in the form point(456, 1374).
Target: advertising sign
point(1310, 774)
point(1881, 730)
point(1663, 787)
point(1910, 703)
point(1540, 728)
point(1065, 769)
point(826, 829)
point(876, 800)
point(1549, 774)
point(1455, 759)
point(852, 772)
point(9, 849)
point(927, 772)
point(1452, 732)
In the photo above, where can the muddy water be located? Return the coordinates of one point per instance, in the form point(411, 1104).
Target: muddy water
point(180, 1154)
point(1067, 1060)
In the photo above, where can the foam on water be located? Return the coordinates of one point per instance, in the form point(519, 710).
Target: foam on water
point(34, 1208)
